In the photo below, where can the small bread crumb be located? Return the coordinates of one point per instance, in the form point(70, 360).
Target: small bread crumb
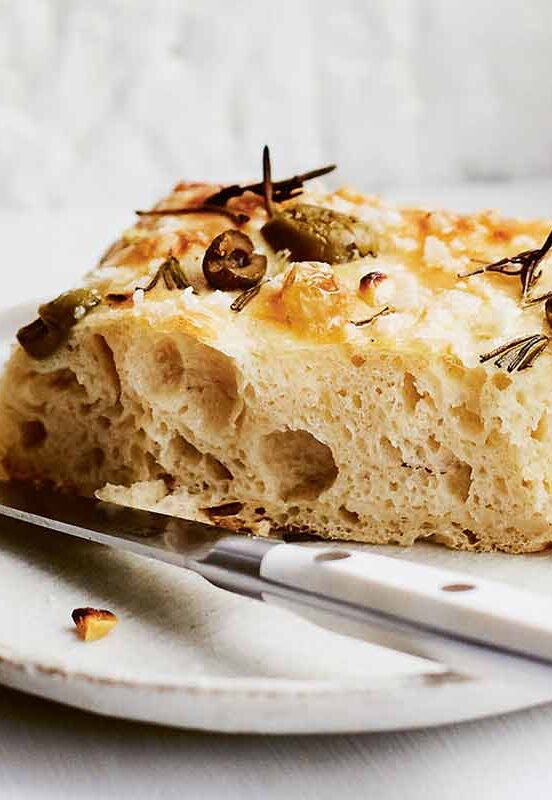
point(93, 623)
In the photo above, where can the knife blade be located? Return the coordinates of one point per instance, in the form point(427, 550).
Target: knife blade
point(474, 627)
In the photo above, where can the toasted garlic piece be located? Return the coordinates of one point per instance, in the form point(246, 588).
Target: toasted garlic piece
point(93, 623)
point(368, 285)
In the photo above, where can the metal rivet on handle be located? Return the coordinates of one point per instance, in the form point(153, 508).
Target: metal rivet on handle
point(332, 555)
point(458, 587)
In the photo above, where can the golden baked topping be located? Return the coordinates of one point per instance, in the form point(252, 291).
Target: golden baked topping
point(42, 337)
point(420, 259)
point(93, 623)
point(230, 262)
point(307, 301)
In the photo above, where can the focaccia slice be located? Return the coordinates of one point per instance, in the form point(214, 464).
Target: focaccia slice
point(338, 375)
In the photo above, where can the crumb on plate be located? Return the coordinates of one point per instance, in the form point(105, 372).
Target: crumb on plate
point(93, 623)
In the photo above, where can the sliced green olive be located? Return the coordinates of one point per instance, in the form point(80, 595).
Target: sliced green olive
point(312, 233)
point(230, 262)
point(45, 335)
point(38, 340)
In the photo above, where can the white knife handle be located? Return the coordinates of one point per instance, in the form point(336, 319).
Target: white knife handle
point(467, 610)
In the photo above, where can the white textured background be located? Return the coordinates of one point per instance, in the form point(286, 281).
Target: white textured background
point(108, 102)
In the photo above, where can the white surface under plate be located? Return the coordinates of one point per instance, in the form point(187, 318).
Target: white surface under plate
point(188, 655)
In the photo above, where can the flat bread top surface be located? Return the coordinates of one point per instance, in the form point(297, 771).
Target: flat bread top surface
point(420, 255)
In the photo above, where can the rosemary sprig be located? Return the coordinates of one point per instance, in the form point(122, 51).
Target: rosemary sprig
point(518, 354)
point(524, 264)
point(532, 301)
point(237, 219)
point(245, 297)
point(382, 312)
point(171, 273)
point(547, 299)
point(272, 192)
point(281, 190)
point(267, 182)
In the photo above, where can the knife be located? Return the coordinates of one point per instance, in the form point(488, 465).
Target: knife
point(476, 628)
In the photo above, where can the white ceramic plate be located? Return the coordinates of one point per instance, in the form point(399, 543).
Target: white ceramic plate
point(189, 655)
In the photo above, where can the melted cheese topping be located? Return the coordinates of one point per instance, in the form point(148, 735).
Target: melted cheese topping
point(423, 255)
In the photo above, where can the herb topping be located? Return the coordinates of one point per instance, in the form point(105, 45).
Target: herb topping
point(267, 182)
point(518, 354)
point(281, 190)
point(171, 273)
point(245, 297)
point(381, 313)
point(525, 265)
